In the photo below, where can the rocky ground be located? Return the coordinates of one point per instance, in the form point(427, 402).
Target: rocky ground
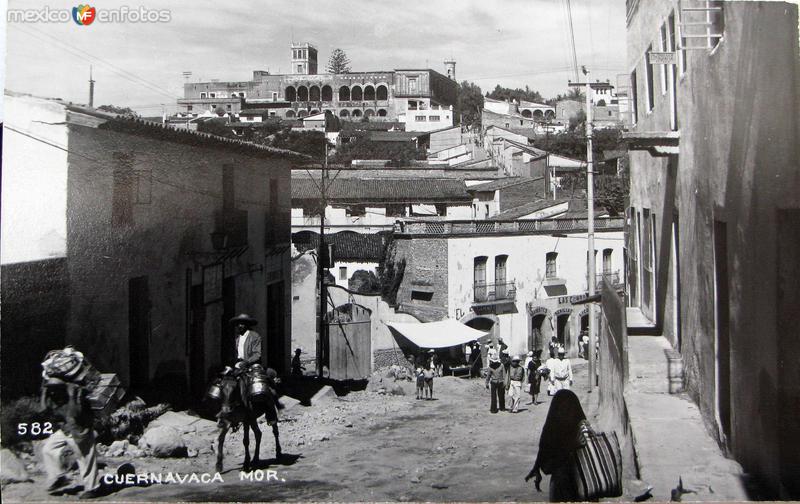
point(380, 444)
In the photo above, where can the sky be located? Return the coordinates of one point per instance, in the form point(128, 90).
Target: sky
point(513, 43)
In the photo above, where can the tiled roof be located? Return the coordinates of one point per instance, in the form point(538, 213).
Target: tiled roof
point(254, 112)
point(526, 132)
point(528, 208)
point(388, 190)
point(158, 131)
point(496, 184)
point(528, 104)
point(347, 245)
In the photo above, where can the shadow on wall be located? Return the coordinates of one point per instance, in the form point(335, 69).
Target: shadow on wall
point(35, 306)
point(169, 385)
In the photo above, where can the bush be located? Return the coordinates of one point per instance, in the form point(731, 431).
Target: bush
point(364, 282)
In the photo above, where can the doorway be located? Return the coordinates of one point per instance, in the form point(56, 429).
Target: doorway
point(486, 325)
point(197, 354)
point(139, 332)
point(536, 338)
point(562, 330)
point(788, 320)
point(227, 341)
point(275, 337)
point(676, 283)
point(723, 344)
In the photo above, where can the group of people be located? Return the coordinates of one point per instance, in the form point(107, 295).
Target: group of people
point(506, 376)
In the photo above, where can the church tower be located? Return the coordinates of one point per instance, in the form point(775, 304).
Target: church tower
point(304, 59)
point(450, 66)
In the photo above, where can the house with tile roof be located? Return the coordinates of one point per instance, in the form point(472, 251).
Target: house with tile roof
point(110, 223)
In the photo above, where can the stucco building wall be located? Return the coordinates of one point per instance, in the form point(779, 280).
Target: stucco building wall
point(526, 266)
point(735, 177)
point(178, 203)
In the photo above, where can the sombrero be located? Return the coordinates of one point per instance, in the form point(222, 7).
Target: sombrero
point(244, 319)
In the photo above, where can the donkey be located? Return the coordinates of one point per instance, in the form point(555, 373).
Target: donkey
point(236, 411)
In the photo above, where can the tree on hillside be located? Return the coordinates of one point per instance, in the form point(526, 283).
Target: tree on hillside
point(574, 93)
point(399, 153)
point(338, 62)
point(311, 143)
point(572, 143)
point(578, 121)
point(611, 193)
point(218, 127)
point(125, 111)
point(364, 282)
point(332, 122)
point(527, 94)
point(469, 104)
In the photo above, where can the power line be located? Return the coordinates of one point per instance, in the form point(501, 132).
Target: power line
point(82, 54)
point(154, 178)
point(572, 39)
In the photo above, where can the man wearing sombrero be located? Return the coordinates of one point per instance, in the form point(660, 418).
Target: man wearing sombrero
point(248, 349)
point(248, 342)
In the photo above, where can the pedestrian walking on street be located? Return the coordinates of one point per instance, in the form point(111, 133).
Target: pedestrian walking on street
point(553, 346)
point(428, 374)
point(297, 367)
point(420, 382)
point(477, 361)
point(547, 371)
point(72, 413)
point(495, 382)
point(561, 372)
point(559, 440)
point(534, 376)
point(516, 374)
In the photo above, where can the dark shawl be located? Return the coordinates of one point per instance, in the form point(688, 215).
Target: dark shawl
point(560, 432)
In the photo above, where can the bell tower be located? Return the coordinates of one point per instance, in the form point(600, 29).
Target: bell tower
point(450, 67)
point(304, 59)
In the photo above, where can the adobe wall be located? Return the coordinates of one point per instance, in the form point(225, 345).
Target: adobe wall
point(178, 199)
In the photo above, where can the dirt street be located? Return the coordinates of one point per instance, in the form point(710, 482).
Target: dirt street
point(369, 446)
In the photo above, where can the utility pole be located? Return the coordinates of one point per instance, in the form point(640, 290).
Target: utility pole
point(91, 88)
point(322, 260)
point(590, 257)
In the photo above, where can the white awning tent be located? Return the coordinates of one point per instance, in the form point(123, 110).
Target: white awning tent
point(441, 334)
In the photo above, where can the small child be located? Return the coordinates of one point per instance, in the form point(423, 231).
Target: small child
point(428, 374)
point(420, 382)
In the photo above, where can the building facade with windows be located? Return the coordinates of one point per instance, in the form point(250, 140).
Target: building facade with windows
point(422, 98)
point(364, 203)
point(150, 240)
point(714, 216)
point(514, 279)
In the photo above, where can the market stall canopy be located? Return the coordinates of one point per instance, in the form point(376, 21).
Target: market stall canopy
point(441, 334)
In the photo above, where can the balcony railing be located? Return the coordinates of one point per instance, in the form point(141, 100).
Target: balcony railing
point(507, 227)
point(613, 278)
point(487, 293)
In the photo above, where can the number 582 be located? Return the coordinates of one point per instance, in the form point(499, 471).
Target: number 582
point(35, 428)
